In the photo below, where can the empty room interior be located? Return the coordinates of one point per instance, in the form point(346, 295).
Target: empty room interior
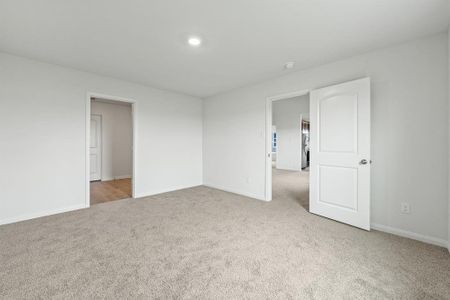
point(225, 149)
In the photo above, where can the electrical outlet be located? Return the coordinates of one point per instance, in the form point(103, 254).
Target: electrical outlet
point(405, 208)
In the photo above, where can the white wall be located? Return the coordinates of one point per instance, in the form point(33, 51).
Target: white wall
point(287, 115)
point(43, 142)
point(117, 139)
point(409, 132)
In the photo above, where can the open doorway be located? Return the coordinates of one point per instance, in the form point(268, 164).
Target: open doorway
point(290, 147)
point(339, 185)
point(110, 149)
point(305, 146)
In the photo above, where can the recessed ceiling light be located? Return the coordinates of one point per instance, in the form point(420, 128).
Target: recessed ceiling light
point(289, 65)
point(194, 41)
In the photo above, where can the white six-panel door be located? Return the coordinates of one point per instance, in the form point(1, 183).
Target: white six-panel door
point(340, 152)
point(95, 152)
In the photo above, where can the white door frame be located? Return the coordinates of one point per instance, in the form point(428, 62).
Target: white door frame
point(268, 154)
point(133, 103)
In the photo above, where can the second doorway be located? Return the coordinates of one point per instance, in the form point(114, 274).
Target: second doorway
point(110, 150)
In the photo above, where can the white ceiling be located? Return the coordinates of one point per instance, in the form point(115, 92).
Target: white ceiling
point(246, 41)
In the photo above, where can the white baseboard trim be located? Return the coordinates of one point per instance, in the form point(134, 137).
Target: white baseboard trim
point(288, 169)
point(116, 177)
point(122, 177)
point(411, 235)
point(162, 191)
point(41, 214)
point(250, 195)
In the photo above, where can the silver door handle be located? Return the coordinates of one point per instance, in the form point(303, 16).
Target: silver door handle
point(363, 162)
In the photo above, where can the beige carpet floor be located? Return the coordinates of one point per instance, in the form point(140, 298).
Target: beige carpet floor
point(202, 243)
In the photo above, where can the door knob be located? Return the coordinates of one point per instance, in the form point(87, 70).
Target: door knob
point(363, 162)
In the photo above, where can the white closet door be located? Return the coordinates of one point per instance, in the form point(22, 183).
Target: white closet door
point(96, 148)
